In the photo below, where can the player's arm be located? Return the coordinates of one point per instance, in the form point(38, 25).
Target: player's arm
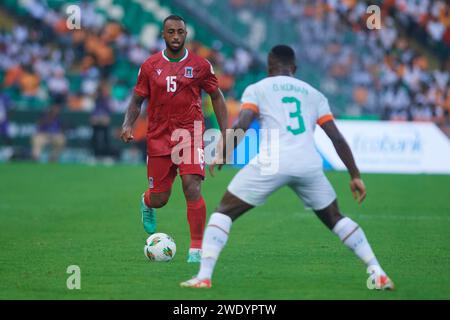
point(345, 153)
point(220, 109)
point(243, 122)
point(221, 112)
point(132, 113)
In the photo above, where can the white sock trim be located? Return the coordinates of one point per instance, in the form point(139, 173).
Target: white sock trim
point(342, 224)
point(220, 221)
point(345, 228)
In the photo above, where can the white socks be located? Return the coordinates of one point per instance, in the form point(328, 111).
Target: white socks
point(219, 225)
point(354, 238)
point(214, 239)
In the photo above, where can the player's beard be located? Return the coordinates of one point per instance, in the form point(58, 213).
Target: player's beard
point(175, 50)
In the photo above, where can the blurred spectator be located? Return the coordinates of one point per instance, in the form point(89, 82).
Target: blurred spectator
point(58, 86)
point(442, 76)
point(13, 74)
point(100, 122)
point(422, 110)
point(396, 102)
point(137, 55)
point(446, 102)
point(29, 83)
point(5, 105)
point(436, 29)
point(49, 132)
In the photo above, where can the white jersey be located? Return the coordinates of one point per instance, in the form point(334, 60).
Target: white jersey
point(293, 108)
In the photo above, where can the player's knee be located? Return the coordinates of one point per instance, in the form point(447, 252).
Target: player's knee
point(224, 209)
point(192, 191)
point(330, 215)
point(333, 218)
point(159, 201)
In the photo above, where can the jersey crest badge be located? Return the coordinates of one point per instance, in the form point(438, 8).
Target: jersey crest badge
point(188, 72)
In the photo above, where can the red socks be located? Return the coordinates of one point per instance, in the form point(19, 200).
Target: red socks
point(196, 215)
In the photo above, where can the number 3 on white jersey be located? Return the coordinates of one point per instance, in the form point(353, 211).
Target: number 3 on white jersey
point(296, 116)
point(171, 84)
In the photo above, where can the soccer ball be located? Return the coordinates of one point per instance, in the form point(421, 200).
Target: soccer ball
point(160, 247)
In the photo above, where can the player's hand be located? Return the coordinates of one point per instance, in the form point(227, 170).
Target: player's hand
point(216, 163)
point(127, 134)
point(358, 189)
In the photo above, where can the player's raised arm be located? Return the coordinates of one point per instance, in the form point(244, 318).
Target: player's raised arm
point(132, 113)
point(345, 153)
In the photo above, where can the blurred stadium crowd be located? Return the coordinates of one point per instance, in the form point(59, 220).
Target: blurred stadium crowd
point(400, 72)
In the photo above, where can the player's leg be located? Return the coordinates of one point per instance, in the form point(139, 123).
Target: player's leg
point(249, 188)
point(156, 199)
point(192, 172)
point(353, 237)
point(196, 213)
point(215, 238)
point(160, 173)
point(318, 194)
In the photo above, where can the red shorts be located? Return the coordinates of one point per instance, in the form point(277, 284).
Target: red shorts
point(161, 170)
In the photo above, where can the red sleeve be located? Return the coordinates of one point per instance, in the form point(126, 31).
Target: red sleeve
point(142, 87)
point(209, 81)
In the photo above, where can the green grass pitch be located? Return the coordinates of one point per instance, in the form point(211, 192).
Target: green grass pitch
point(53, 216)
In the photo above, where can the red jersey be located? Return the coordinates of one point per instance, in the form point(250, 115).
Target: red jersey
point(173, 88)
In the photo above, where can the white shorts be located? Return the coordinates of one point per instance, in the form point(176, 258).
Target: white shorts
point(252, 187)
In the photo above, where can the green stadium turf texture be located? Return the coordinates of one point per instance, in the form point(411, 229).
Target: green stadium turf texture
point(53, 216)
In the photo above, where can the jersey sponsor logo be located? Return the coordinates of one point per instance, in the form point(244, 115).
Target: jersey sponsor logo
point(188, 72)
point(158, 71)
point(150, 183)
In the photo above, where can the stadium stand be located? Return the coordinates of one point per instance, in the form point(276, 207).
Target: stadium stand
point(372, 74)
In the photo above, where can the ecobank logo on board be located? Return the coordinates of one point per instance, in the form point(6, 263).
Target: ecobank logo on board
point(382, 142)
point(390, 147)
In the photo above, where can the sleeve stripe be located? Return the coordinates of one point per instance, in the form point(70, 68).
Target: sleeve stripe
point(325, 118)
point(250, 106)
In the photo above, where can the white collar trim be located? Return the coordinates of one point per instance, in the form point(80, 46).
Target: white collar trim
point(171, 60)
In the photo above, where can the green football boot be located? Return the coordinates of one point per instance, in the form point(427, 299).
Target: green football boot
point(148, 217)
point(194, 256)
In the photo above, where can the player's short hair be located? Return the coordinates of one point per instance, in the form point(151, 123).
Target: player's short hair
point(283, 54)
point(173, 17)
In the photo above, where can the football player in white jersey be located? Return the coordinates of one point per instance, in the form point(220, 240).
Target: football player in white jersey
point(292, 108)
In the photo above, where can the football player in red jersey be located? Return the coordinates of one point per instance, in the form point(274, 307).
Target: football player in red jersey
point(172, 80)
